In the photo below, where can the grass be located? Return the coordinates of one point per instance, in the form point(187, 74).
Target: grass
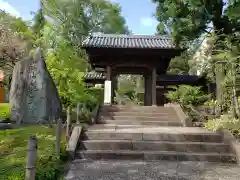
point(12, 167)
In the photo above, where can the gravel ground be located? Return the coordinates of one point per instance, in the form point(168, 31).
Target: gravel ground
point(158, 170)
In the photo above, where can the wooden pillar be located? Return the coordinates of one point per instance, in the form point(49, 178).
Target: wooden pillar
point(164, 97)
point(109, 73)
point(145, 90)
point(2, 93)
point(154, 79)
point(114, 87)
point(209, 91)
point(148, 90)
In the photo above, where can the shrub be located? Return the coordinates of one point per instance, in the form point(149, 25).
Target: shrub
point(93, 97)
point(187, 95)
point(225, 121)
point(212, 103)
point(4, 111)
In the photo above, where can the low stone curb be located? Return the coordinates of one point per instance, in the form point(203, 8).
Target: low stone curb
point(74, 141)
point(231, 140)
point(4, 126)
point(181, 115)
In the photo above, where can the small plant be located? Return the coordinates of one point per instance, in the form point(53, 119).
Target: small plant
point(189, 97)
point(85, 115)
point(226, 121)
point(211, 103)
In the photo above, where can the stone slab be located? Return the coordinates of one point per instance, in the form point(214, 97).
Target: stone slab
point(154, 146)
point(182, 137)
point(235, 145)
point(136, 113)
point(156, 155)
point(74, 140)
point(151, 170)
point(137, 122)
point(109, 135)
point(33, 96)
point(141, 118)
point(107, 145)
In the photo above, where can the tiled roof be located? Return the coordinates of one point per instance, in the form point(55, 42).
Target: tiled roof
point(128, 41)
point(94, 75)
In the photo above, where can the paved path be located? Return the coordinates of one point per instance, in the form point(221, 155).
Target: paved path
point(159, 170)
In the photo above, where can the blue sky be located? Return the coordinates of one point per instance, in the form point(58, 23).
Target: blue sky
point(138, 13)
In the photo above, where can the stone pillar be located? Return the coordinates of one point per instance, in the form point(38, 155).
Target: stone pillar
point(108, 87)
point(219, 87)
point(154, 79)
point(147, 90)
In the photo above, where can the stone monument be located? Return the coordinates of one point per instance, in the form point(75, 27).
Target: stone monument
point(33, 95)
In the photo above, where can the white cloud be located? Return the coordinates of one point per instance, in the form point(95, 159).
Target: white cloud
point(147, 21)
point(8, 8)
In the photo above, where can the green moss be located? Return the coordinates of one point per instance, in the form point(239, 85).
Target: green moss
point(4, 111)
point(12, 167)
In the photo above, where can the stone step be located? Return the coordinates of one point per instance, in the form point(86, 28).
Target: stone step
point(136, 122)
point(140, 113)
point(155, 155)
point(140, 118)
point(128, 134)
point(98, 127)
point(148, 109)
point(155, 146)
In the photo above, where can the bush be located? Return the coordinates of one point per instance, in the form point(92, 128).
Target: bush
point(4, 111)
point(93, 97)
point(187, 95)
point(212, 103)
point(226, 122)
point(88, 102)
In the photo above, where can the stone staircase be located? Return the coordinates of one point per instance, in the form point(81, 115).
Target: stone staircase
point(150, 133)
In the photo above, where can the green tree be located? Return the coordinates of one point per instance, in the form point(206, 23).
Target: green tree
point(229, 57)
point(15, 42)
point(61, 40)
point(188, 19)
point(38, 24)
point(64, 64)
point(79, 18)
point(179, 65)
